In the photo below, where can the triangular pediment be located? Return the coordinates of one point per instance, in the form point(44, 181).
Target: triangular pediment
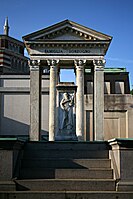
point(67, 30)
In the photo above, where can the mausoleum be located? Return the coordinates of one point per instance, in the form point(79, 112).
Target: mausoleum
point(63, 139)
point(101, 96)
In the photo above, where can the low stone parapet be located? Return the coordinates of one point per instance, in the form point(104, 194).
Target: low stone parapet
point(122, 162)
point(9, 155)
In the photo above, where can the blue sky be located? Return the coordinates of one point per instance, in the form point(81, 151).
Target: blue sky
point(112, 17)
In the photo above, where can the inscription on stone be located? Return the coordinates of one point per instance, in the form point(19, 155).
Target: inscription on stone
point(49, 51)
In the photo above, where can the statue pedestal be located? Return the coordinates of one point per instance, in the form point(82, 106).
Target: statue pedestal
point(66, 138)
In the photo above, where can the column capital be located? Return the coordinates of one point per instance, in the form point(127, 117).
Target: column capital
point(53, 62)
point(99, 64)
point(34, 64)
point(79, 63)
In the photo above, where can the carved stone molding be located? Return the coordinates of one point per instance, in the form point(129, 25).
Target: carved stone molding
point(34, 64)
point(53, 62)
point(68, 30)
point(99, 64)
point(79, 63)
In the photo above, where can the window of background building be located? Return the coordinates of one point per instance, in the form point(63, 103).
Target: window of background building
point(119, 87)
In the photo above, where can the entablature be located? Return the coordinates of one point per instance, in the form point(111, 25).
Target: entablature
point(67, 48)
point(67, 38)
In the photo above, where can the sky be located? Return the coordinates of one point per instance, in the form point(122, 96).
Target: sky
point(112, 17)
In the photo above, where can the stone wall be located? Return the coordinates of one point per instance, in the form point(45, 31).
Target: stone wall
point(15, 109)
point(118, 116)
point(15, 104)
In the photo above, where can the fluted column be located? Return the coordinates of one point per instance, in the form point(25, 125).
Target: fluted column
point(98, 103)
point(80, 99)
point(35, 100)
point(52, 98)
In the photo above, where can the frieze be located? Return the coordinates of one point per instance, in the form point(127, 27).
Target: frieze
point(66, 51)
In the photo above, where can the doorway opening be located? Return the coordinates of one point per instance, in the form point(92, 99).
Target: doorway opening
point(67, 75)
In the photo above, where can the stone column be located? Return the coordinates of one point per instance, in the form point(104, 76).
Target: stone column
point(98, 100)
point(35, 100)
point(52, 98)
point(80, 99)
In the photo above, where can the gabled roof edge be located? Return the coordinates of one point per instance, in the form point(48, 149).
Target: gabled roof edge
point(26, 37)
point(45, 29)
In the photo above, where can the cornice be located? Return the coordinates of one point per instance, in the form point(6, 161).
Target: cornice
point(11, 53)
point(75, 43)
point(86, 45)
point(11, 39)
point(67, 26)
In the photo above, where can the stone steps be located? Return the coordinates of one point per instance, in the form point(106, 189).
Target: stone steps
point(88, 146)
point(43, 173)
point(69, 166)
point(66, 184)
point(66, 153)
point(65, 195)
point(7, 185)
point(65, 163)
point(71, 150)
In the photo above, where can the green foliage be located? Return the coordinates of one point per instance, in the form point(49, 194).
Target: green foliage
point(131, 92)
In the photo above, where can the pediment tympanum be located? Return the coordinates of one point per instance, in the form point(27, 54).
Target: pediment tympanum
point(67, 30)
point(65, 38)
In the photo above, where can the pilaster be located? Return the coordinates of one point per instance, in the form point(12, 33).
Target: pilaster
point(98, 100)
point(35, 100)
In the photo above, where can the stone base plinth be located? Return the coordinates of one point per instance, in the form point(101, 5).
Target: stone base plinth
point(66, 138)
point(7, 186)
point(124, 186)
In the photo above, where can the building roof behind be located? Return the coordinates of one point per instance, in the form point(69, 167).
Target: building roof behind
point(110, 70)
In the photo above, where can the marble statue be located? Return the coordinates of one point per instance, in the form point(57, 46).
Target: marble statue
point(66, 105)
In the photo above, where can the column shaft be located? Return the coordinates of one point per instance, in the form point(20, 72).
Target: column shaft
point(80, 99)
point(52, 99)
point(35, 100)
point(98, 103)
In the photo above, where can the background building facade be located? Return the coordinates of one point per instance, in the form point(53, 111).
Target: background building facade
point(12, 59)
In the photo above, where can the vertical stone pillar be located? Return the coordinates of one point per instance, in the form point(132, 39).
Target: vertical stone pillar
point(35, 100)
point(80, 99)
point(98, 100)
point(52, 98)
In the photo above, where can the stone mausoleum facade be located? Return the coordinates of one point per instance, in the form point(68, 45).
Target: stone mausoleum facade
point(98, 106)
point(64, 139)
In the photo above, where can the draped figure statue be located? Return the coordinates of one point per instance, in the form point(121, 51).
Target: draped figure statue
point(66, 105)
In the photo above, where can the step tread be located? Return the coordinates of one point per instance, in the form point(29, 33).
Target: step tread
point(67, 180)
point(67, 154)
point(66, 173)
point(65, 159)
point(65, 191)
point(67, 194)
point(61, 158)
point(65, 163)
point(68, 145)
point(67, 184)
point(68, 169)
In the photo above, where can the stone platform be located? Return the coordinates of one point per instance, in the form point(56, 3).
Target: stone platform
point(64, 170)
